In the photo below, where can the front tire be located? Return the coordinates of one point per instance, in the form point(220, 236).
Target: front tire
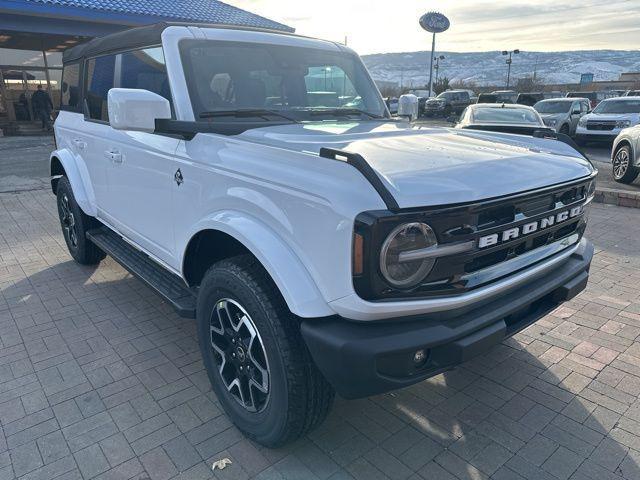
point(255, 357)
point(622, 166)
point(75, 224)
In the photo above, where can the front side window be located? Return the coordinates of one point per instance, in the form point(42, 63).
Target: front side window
point(100, 74)
point(145, 69)
point(70, 88)
point(302, 83)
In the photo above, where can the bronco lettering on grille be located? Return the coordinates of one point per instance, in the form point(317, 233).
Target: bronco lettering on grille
point(528, 228)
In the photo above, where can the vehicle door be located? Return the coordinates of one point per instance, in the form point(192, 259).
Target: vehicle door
point(142, 166)
point(91, 139)
point(461, 100)
point(575, 112)
point(74, 135)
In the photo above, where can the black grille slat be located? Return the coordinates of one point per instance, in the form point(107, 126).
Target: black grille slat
point(535, 206)
point(602, 125)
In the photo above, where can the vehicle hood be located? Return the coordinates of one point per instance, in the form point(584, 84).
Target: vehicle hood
point(436, 166)
point(634, 118)
point(554, 116)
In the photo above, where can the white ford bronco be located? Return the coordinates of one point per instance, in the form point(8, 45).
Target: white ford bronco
point(256, 181)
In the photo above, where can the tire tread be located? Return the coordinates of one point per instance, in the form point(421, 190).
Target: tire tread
point(89, 253)
point(310, 395)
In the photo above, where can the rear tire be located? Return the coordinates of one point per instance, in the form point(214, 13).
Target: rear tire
point(285, 395)
point(622, 166)
point(75, 224)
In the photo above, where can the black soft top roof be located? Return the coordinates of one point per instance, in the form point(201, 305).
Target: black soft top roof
point(141, 37)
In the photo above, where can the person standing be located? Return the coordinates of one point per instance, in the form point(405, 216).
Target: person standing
point(42, 106)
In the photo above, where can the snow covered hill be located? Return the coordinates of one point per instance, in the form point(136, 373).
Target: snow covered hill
point(489, 68)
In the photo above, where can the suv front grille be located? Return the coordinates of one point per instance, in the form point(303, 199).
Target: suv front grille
point(601, 125)
point(460, 273)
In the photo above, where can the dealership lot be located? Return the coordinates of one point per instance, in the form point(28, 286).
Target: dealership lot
point(99, 379)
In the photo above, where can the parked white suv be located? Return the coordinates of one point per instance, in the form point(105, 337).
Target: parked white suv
point(256, 181)
point(608, 119)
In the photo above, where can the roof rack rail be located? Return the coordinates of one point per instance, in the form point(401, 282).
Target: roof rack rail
point(358, 161)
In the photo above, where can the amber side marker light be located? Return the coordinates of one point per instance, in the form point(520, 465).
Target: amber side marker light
point(358, 254)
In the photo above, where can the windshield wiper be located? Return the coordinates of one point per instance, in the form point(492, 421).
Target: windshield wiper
point(344, 112)
point(247, 113)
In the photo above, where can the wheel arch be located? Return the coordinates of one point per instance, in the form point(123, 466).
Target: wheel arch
point(622, 143)
point(62, 162)
point(228, 234)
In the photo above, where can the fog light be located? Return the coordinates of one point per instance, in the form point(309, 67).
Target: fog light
point(419, 357)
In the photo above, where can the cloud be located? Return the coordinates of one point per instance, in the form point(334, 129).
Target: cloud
point(374, 26)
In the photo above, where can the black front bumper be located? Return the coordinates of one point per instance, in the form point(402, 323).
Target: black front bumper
point(596, 137)
point(366, 358)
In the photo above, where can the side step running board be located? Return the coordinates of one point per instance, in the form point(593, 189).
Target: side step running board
point(166, 284)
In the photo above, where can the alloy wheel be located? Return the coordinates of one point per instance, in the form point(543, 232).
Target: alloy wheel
point(68, 221)
point(240, 355)
point(620, 163)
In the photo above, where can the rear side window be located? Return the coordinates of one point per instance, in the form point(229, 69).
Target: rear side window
point(70, 90)
point(145, 69)
point(100, 74)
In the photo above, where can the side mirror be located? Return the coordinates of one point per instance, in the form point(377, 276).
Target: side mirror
point(136, 109)
point(575, 112)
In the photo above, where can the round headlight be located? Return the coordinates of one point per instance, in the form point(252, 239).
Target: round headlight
point(405, 238)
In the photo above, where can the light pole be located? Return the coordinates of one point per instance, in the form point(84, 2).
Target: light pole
point(437, 65)
point(509, 62)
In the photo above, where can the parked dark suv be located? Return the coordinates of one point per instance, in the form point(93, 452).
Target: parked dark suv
point(451, 101)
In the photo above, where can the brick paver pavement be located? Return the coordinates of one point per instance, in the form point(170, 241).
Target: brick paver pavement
point(99, 379)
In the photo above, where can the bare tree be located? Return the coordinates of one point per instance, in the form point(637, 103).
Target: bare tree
point(442, 85)
point(464, 85)
point(530, 84)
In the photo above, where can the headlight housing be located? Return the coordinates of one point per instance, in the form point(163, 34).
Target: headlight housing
point(406, 273)
point(582, 122)
point(623, 124)
point(551, 122)
point(591, 192)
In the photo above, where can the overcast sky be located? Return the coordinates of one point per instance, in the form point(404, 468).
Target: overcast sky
point(376, 26)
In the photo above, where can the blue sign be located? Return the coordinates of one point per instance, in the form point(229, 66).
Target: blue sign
point(434, 22)
point(586, 78)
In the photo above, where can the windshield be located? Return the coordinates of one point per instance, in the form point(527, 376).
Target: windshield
point(618, 106)
point(445, 95)
point(301, 83)
point(505, 115)
point(553, 107)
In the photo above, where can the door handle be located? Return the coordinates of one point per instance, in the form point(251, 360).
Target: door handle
point(80, 144)
point(114, 156)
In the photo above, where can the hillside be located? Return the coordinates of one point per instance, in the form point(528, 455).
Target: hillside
point(489, 68)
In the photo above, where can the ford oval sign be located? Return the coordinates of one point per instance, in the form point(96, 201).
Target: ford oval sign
point(434, 22)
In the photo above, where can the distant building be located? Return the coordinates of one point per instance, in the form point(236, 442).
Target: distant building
point(630, 77)
point(33, 34)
